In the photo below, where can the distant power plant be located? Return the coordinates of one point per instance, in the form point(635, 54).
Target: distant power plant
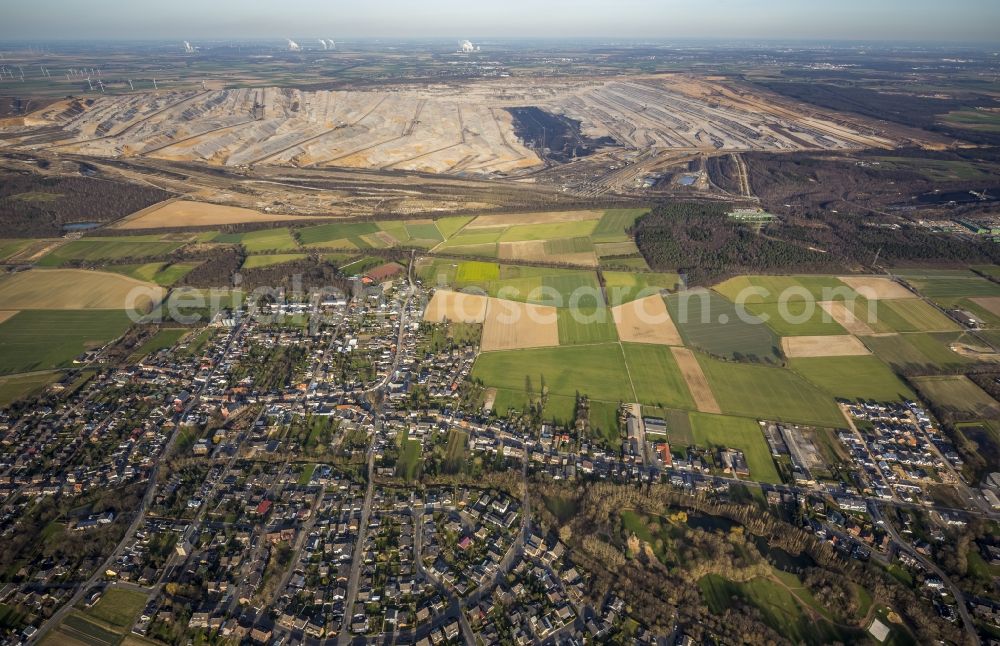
point(188, 49)
point(327, 44)
point(294, 46)
point(467, 47)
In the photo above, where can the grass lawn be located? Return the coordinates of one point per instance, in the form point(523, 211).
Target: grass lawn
point(45, 339)
point(164, 338)
point(455, 451)
point(656, 376)
point(853, 377)
point(712, 323)
point(307, 474)
point(269, 260)
point(604, 423)
point(763, 392)
point(586, 325)
point(118, 607)
point(599, 372)
point(736, 433)
point(409, 457)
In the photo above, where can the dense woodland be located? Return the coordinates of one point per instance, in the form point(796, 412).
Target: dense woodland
point(36, 206)
point(699, 240)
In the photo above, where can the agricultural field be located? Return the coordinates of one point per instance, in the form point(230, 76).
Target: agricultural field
point(600, 372)
point(927, 351)
point(161, 273)
point(914, 315)
point(47, 339)
point(511, 325)
point(585, 325)
point(623, 286)
point(712, 323)
point(958, 395)
point(75, 289)
point(944, 287)
point(613, 224)
point(646, 321)
point(183, 213)
point(773, 289)
point(656, 377)
point(98, 250)
point(842, 345)
point(446, 305)
point(853, 377)
point(263, 241)
point(325, 234)
point(764, 392)
point(16, 387)
point(796, 318)
point(736, 433)
point(269, 260)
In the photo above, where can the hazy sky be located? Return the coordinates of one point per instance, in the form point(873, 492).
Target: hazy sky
point(940, 20)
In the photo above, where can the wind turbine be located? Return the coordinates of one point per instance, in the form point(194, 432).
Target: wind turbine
point(130, 86)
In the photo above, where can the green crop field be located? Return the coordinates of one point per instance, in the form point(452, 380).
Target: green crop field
point(271, 259)
point(586, 325)
point(549, 230)
point(624, 287)
point(450, 226)
point(929, 351)
point(10, 247)
point(915, 315)
point(279, 239)
point(599, 372)
point(944, 287)
point(98, 250)
point(16, 387)
point(736, 433)
point(160, 273)
point(473, 272)
point(797, 318)
point(45, 339)
point(959, 395)
point(556, 246)
point(772, 289)
point(425, 231)
point(712, 323)
point(604, 423)
point(853, 377)
point(656, 377)
point(118, 607)
point(325, 233)
point(472, 237)
point(612, 225)
point(763, 392)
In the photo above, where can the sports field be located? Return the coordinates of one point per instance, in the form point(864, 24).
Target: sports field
point(764, 392)
point(118, 607)
point(736, 433)
point(264, 241)
point(712, 323)
point(46, 339)
point(656, 376)
point(959, 395)
point(269, 260)
point(76, 289)
point(853, 377)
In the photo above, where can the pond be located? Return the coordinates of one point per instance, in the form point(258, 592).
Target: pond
point(80, 226)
